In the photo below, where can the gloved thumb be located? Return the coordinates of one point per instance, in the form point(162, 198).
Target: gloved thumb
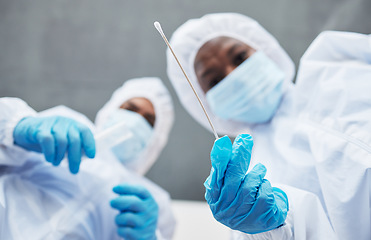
point(220, 156)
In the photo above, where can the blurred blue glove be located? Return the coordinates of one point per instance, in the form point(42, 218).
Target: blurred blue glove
point(240, 200)
point(138, 212)
point(54, 136)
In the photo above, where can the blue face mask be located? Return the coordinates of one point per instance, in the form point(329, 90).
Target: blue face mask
point(251, 93)
point(141, 130)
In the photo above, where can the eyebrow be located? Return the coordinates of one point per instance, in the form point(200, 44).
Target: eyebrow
point(229, 53)
point(208, 72)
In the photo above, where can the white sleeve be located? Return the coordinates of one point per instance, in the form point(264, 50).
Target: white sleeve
point(12, 110)
point(166, 221)
point(335, 75)
point(337, 47)
point(306, 220)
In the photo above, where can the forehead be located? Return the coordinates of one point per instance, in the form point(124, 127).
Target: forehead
point(215, 48)
point(142, 103)
point(218, 42)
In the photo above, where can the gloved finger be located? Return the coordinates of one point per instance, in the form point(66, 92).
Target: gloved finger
point(129, 219)
point(74, 149)
point(238, 195)
point(220, 156)
point(282, 200)
point(128, 189)
point(266, 213)
point(32, 126)
point(127, 233)
point(60, 131)
point(249, 189)
point(47, 144)
point(87, 139)
point(128, 203)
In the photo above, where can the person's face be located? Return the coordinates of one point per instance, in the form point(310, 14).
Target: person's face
point(217, 58)
point(141, 106)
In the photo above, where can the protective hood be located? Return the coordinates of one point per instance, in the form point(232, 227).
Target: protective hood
point(154, 90)
point(187, 40)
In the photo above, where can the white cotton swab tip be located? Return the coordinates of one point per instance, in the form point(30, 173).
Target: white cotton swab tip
point(158, 27)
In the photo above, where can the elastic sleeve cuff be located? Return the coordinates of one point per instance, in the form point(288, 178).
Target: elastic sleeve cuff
point(282, 233)
point(12, 110)
point(159, 235)
point(11, 124)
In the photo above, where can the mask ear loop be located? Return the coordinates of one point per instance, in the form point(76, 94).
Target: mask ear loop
point(159, 29)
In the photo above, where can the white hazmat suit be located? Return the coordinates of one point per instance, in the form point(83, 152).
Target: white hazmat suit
point(318, 140)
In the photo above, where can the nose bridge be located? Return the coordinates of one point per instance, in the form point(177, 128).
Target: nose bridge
point(142, 113)
point(229, 68)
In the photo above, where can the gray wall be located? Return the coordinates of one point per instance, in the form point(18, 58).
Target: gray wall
point(76, 53)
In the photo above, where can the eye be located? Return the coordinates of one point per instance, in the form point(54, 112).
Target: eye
point(214, 81)
point(150, 119)
point(240, 58)
point(131, 109)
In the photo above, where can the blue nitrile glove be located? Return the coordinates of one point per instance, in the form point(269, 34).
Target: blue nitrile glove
point(138, 212)
point(54, 136)
point(240, 200)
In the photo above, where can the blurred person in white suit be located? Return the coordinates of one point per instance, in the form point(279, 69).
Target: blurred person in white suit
point(40, 201)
